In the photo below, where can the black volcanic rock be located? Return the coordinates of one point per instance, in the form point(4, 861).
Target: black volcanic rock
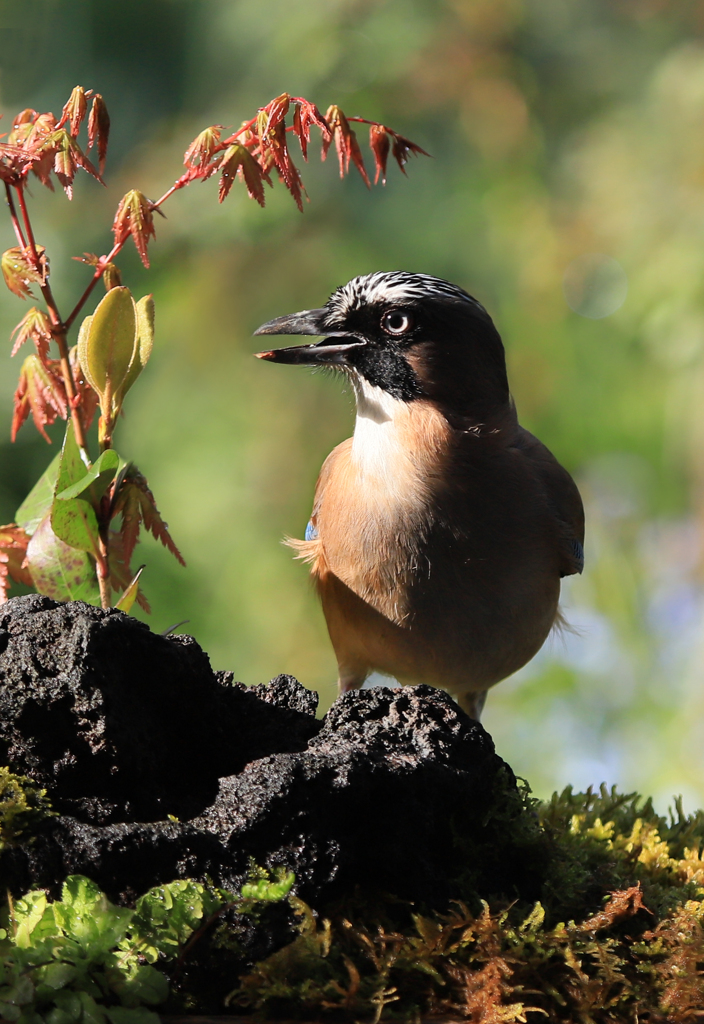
point(396, 790)
point(381, 798)
point(122, 724)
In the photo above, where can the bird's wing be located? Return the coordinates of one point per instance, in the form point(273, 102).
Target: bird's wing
point(340, 452)
point(563, 499)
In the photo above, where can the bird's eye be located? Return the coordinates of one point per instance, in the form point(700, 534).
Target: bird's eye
point(396, 322)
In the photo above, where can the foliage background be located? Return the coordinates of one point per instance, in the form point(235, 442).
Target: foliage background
point(557, 131)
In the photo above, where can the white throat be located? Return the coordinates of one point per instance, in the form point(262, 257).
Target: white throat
point(377, 446)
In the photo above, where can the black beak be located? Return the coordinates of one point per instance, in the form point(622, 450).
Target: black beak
point(310, 322)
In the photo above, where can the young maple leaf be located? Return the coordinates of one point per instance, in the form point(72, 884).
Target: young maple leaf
point(40, 147)
point(22, 123)
point(237, 159)
point(37, 326)
point(19, 152)
point(274, 112)
point(68, 157)
point(275, 147)
point(305, 115)
point(380, 146)
point(99, 129)
point(20, 270)
point(13, 550)
point(134, 217)
point(136, 503)
point(40, 391)
point(203, 148)
point(75, 110)
point(152, 519)
point(345, 143)
point(403, 148)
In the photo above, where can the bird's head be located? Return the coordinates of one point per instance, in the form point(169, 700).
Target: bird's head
point(411, 335)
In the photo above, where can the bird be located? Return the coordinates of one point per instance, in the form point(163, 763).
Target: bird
point(441, 529)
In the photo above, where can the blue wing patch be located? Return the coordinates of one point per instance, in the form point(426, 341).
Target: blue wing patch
point(578, 555)
point(312, 533)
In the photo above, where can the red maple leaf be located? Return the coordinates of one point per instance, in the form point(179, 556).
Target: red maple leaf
point(345, 143)
point(13, 550)
point(134, 217)
point(37, 326)
point(40, 391)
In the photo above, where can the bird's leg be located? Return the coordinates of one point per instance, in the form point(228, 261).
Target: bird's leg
point(473, 703)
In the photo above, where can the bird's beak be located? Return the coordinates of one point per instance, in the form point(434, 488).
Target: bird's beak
point(332, 349)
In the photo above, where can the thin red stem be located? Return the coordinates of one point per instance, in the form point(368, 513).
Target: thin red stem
point(102, 263)
point(32, 245)
point(169, 192)
point(15, 220)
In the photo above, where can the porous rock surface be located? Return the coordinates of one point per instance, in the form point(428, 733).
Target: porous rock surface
point(160, 768)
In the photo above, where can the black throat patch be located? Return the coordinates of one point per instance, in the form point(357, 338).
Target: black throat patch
point(387, 368)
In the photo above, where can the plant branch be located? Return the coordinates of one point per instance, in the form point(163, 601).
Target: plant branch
point(103, 572)
point(102, 263)
point(59, 334)
point(180, 183)
point(13, 215)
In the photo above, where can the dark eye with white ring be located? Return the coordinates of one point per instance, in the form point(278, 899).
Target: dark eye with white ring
point(397, 322)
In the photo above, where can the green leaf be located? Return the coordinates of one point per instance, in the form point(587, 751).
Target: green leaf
point(110, 342)
point(20, 993)
point(81, 346)
point(86, 916)
point(60, 571)
point(70, 1003)
point(269, 892)
point(74, 520)
point(92, 1013)
point(106, 466)
point(57, 975)
point(145, 340)
point(125, 1015)
point(39, 500)
point(168, 915)
point(57, 1016)
point(28, 913)
point(80, 893)
point(146, 985)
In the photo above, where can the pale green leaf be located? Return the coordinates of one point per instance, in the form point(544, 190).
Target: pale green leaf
point(82, 347)
point(39, 500)
point(145, 340)
point(60, 571)
point(110, 342)
point(108, 463)
point(74, 520)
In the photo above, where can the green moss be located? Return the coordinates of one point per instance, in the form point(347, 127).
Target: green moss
point(616, 936)
point(23, 809)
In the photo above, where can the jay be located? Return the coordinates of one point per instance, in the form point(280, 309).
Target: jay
point(441, 529)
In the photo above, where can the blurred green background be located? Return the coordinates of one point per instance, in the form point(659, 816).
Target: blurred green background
point(566, 191)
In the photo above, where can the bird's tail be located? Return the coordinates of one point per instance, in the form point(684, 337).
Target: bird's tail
point(306, 550)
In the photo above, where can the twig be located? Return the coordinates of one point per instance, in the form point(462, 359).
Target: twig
point(15, 220)
point(59, 334)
